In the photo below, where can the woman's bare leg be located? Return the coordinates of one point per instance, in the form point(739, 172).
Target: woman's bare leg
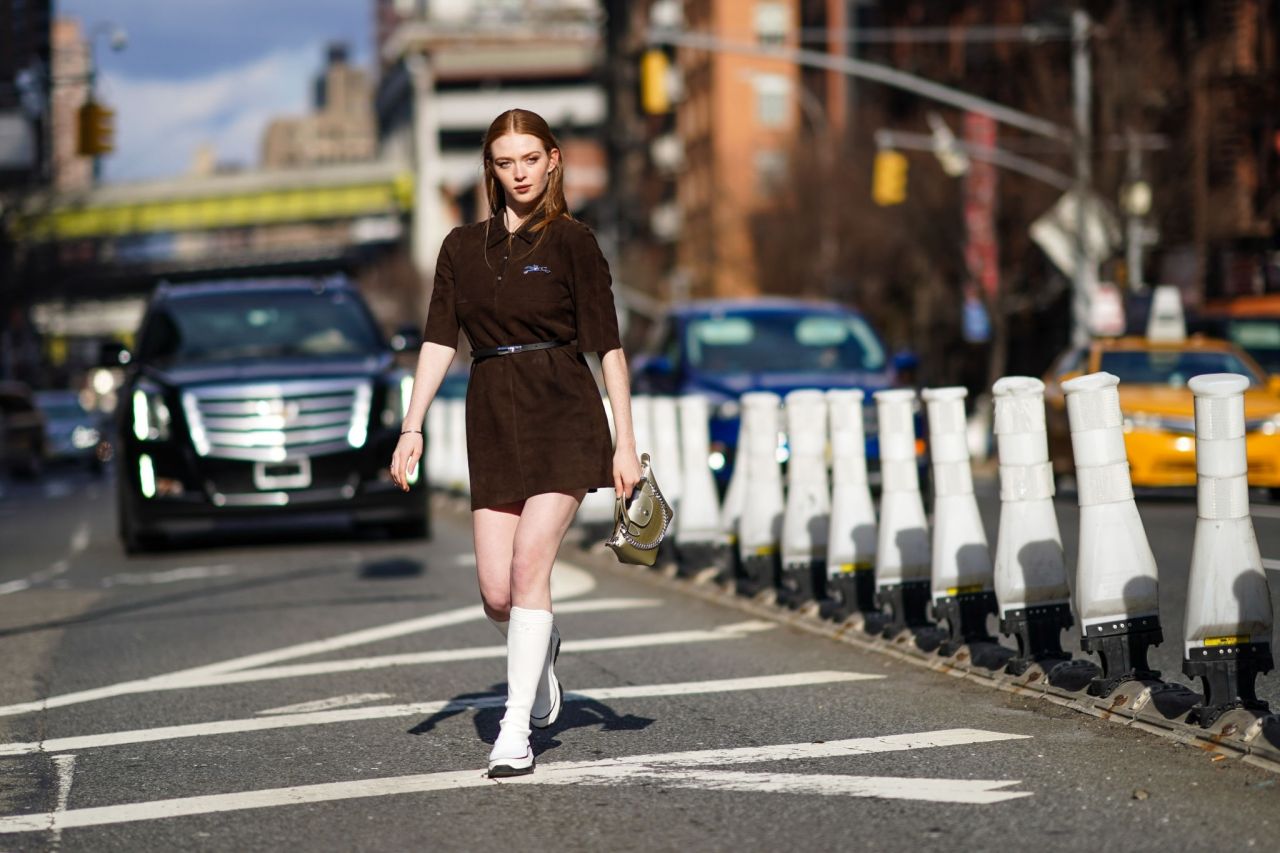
point(494, 530)
point(542, 525)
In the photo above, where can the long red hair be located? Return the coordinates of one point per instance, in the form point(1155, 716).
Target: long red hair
point(552, 204)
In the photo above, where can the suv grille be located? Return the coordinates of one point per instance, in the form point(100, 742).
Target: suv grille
point(269, 422)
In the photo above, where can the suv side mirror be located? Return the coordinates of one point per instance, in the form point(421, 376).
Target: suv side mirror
point(406, 338)
point(113, 354)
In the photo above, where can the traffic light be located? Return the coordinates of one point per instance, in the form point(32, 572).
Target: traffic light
point(655, 99)
point(889, 182)
point(96, 130)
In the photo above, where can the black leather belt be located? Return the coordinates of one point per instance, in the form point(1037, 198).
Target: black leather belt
point(490, 352)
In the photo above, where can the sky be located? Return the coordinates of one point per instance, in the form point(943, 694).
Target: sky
point(210, 72)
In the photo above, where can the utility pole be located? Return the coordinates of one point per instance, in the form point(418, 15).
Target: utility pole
point(1083, 276)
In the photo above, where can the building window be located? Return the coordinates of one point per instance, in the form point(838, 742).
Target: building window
point(771, 23)
point(771, 171)
point(773, 93)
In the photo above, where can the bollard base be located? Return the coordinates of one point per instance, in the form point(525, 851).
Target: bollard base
point(850, 592)
point(1037, 631)
point(756, 574)
point(694, 557)
point(1122, 646)
point(966, 618)
point(907, 605)
point(802, 582)
point(1228, 674)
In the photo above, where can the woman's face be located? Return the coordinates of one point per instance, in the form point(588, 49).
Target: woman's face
point(523, 167)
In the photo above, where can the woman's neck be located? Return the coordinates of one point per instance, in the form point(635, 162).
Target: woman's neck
point(517, 215)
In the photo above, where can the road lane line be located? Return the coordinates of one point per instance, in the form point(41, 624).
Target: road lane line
point(723, 632)
point(967, 791)
point(382, 712)
point(559, 773)
point(327, 704)
point(66, 765)
point(80, 539)
point(395, 629)
point(186, 573)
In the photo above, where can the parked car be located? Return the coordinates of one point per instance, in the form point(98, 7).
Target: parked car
point(1250, 322)
point(725, 348)
point(1159, 409)
point(261, 403)
point(22, 441)
point(72, 432)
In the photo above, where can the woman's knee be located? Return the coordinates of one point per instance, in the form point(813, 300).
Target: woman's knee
point(497, 608)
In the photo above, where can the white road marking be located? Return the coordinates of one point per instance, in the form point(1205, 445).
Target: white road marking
point(185, 573)
point(382, 712)
point(647, 767)
point(80, 539)
point(1264, 511)
point(723, 632)
point(42, 576)
point(14, 586)
point(574, 581)
point(66, 765)
point(326, 704)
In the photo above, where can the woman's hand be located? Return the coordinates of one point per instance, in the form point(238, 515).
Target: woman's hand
point(626, 471)
point(408, 456)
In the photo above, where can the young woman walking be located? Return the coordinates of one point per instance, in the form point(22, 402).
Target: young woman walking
point(532, 291)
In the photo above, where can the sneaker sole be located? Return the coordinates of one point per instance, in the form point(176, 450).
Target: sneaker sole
point(506, 771)
point(549, 720)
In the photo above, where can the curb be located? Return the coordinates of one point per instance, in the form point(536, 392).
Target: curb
point(1156, 707)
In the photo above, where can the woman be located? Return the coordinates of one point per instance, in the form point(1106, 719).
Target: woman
point(531, 289)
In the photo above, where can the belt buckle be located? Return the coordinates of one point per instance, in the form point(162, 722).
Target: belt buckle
point(508, 349)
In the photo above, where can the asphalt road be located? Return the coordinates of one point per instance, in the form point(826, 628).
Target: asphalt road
point(337, 693)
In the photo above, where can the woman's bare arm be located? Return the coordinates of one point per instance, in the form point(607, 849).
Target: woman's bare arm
point(617, 384)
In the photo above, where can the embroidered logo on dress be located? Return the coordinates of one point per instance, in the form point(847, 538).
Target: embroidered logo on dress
point(537, 268)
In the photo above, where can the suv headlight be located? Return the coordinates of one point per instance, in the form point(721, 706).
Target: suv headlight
point(728, 410)
point(399, 393)
point(150, 415)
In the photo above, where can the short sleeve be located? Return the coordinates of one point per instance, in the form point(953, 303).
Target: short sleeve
point(442, 319)
point(597, 319)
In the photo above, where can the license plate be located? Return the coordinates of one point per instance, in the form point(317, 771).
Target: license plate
point(287, 474)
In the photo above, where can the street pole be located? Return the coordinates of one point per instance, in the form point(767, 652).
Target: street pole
point(1133, 218)
point(1083, 275)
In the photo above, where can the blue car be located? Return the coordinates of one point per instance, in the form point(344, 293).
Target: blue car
point(724, 348)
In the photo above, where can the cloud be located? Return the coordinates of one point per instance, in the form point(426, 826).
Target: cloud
point(160, 122)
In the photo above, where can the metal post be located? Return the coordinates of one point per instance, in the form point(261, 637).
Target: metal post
point(1133, 230)
point(1082, 277)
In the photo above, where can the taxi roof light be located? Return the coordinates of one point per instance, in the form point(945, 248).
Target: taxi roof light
point(1167, 323)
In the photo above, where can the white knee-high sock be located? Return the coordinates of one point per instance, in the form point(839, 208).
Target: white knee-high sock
point(528, 634)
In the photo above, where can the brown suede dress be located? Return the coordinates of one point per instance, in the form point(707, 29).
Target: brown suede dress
point(535, 420)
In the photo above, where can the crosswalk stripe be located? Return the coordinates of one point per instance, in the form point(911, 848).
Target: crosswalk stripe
point(648, 767)
point(378, 712)
point(724, 632)
point(343, 641)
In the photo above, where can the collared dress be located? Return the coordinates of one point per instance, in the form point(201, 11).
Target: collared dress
point(535, 420)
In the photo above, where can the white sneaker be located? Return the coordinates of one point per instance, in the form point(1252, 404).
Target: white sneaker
point(547, 709)
point(511, 756)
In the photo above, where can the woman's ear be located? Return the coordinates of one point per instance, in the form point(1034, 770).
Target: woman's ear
point(554, 156)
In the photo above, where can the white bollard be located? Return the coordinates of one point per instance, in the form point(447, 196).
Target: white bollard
point(902, 543)
point(963, 589)
point(642, 425)
point(851, 546)
point(667, 465)
point(700, 541)
point(459, 479)
point(735, 495)
point(1117, 591)
point(1228, 615)
point(596, 513)
point(805, 520)
point(760, 527)
point(1030, 570)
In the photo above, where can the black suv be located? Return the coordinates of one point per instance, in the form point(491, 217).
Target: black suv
point(259, 403)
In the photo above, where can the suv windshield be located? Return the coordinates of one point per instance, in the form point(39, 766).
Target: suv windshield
point(1171, 367)
point(783, 343)
point(265, 324)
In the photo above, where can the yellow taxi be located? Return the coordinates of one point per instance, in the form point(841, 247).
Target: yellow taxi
point(1158, 408)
